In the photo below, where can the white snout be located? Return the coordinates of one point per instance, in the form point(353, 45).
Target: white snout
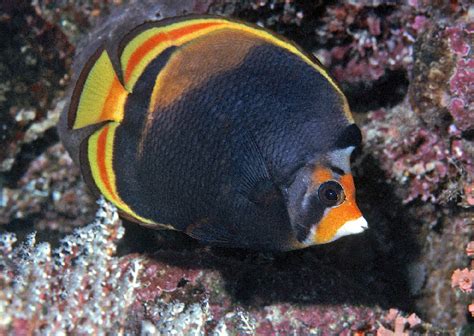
point(352, 227)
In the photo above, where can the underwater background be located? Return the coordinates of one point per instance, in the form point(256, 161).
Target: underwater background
point(68, 264)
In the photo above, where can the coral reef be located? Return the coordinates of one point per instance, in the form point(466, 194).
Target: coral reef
point(77, 288)
point(171, 294)
point(72, 17)
point(433, 167)
point(374, 41)
point(424, 147)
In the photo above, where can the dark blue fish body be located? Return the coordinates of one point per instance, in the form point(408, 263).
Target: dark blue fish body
point(221, 130)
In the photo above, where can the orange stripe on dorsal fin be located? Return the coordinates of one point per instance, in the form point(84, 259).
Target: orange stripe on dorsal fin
point(146, 42)
point(98, 95)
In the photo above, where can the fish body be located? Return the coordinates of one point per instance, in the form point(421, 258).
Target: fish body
point(219, 129)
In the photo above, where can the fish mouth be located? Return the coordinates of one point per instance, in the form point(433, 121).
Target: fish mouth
point(354, 226)
point(350, 227)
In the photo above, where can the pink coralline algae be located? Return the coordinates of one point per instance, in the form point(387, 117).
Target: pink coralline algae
point(159, 278)
point(187, 300)
point(420, 158)
point(464, 279)
point(373, 43)
point(402, 326)
point(461, 84)
point(470, 249)
point(424, 143)
point(278, 319)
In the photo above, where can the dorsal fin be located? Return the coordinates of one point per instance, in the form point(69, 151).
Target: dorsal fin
point(98, 95)
point(145, 42)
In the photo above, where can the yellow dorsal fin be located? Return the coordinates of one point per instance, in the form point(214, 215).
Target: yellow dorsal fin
point(98, 95)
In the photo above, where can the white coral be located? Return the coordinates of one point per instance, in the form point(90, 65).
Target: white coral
point(80, 287)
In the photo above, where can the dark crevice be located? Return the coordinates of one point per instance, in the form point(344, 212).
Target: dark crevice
point(28, 153)
point(468, 134)
point(22, 227)
point(386, 92)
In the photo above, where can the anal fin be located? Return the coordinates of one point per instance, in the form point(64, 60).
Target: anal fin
point(97, 164)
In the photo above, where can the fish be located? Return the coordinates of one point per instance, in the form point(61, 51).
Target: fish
point(219, 129)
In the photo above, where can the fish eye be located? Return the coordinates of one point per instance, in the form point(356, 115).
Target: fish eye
point(331, 193)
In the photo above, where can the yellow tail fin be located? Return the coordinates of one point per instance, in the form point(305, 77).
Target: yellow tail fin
point(98, 96)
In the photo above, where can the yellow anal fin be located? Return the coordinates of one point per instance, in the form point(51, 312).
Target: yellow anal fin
point(100, 154)
point(98, 95)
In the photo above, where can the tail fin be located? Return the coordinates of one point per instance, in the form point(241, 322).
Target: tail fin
point(99, 95)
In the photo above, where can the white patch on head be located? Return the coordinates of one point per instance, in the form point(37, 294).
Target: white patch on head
point(349, 228)
point(310, 237)
point(341, 158)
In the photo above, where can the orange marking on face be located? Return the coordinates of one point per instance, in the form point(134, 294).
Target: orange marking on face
point(338, 216)
point(321, 175)
point(347, 183)
point(153, 41)
point(101, 147)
